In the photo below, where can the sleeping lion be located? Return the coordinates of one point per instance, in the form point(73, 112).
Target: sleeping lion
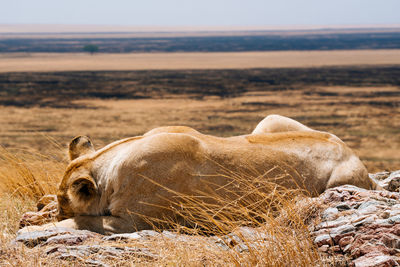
point(111, 190)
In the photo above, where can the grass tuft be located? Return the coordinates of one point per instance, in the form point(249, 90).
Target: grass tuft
point(29, 175)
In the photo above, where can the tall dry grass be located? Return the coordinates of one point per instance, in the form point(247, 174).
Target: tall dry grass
point(29, 175)
point(25, 176)
point(278, 218)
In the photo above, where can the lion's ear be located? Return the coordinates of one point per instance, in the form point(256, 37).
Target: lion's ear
point(83, 188)
point(79, 146)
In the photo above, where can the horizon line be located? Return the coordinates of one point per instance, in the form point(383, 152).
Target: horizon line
point(70, 28)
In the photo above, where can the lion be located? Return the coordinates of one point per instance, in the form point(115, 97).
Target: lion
point(113, 189)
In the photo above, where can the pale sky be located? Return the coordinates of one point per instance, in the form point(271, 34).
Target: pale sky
point(200, 12)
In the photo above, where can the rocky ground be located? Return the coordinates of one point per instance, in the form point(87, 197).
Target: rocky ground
point(354, 227)
point(359, 227)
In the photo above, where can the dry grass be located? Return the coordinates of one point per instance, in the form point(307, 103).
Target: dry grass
point(14, 62)
point(28, 176)
point(23, 180)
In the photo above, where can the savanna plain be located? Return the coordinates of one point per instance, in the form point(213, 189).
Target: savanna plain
point(41, 111)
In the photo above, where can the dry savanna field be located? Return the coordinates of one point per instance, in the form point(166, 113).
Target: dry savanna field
point(41, 62)
point(353, 94)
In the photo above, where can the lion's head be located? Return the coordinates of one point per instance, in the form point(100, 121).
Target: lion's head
point(78, 189)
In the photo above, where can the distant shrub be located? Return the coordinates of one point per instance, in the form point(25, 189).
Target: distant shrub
point(91, 48)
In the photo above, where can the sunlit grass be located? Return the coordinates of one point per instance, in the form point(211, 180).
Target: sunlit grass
point(28, 175)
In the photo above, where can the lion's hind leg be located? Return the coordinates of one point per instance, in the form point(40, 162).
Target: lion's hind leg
point(352, 172)
point(277, 123)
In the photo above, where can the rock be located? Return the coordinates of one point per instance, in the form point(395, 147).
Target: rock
point(390, 240)
point(395, 230)
point(65, 236)
point(32, 239)
point(251, 233)
point(343, 206)
point(332, 196)
point(385, 215)
point(330, 213)
point(368, 204)
point(375, 259)
point(394, 219)
point(231, 240)
point(242, 248)
point(66, 239)
point(73, 256)
point(374, 246)
point(347, 249)
point(322, 240)
point(392, 182)
point(343, 242)
point(98, 253)
point(175, 236)
point(169, 234)
point(365, 220)
point(241, 237)
point(343, 229)
point(323, 248)
point(222, 244)
point(379, 175)
point(119, 237)
point(390, 198)
point(360, 223)
point(332, 224)
point(143, 235)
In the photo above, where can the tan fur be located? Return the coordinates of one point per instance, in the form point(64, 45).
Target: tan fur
point(276, 123)
point(80, 145)
point(109, 191)
point(172, 129)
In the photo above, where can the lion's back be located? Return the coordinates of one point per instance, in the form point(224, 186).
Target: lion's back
point(171, 129)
